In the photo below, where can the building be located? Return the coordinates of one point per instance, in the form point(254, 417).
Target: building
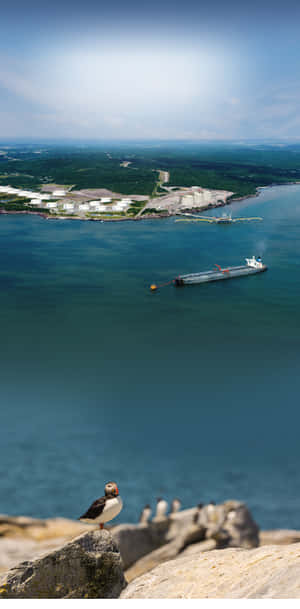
point(59, 193)
point(198, 198)
point(12, 191)
point(207, 196)
point(68, 206)
point(83, 207)
point(187, 201)
point(121, 205)
point(26, 193)
point(7, 189)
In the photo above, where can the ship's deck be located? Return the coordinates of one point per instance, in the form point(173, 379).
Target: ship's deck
point(215, 271)
point(215, 275)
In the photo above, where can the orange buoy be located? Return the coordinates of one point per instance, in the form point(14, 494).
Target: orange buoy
point(153, 287)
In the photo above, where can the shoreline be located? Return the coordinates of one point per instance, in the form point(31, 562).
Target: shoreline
point(156, 216)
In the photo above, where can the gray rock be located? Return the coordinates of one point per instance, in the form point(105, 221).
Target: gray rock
point(181, 532)
point(214, 526)
point(164, 554)
point(265, 572)
point(230, 524)
point(135, 541)
point(242, 530)
point(40, 530)
point(143, 547)
point(21, 521)
point(17, 549)
point(279, 537)
point(87, 567)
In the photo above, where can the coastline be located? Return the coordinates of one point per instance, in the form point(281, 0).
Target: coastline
point(156, 216)
point(258, 190)
point(123, 219)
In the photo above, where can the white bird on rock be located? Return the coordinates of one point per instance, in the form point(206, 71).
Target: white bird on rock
point(145, 514)
point(175, 505)
point(161, 508)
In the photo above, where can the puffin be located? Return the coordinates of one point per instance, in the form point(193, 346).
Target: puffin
point(161, 508)
point(175, 505)
point(211, 506)
point(105, 508)
point(196, 516)
point(145, 514)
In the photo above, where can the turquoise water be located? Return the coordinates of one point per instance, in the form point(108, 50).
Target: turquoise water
point(187, 392)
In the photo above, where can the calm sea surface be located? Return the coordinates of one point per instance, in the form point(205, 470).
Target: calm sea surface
point(189, 392)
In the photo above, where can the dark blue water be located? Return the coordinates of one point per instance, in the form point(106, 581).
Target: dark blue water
point(189, 392)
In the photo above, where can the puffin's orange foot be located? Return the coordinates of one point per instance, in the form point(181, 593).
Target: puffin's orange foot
point(101, 525)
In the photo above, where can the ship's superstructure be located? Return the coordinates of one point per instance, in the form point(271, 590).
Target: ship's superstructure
point(256, 263)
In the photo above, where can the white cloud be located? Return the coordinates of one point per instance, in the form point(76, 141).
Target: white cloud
point(118, 89)
point(138, 90)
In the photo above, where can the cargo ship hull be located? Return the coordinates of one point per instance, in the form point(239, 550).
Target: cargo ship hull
point(230, 273)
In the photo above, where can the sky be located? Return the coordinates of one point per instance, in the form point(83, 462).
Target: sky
point(187, 70)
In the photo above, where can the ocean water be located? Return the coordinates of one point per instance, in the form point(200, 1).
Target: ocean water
point(189, 392)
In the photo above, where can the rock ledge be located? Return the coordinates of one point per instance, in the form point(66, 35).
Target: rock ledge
point(265, 572)
point(87, 567)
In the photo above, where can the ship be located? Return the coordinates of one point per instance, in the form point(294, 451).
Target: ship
point(253, 265)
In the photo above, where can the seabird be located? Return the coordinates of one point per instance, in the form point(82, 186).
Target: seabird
point(197, 513)
point(161, 508)
point(145, 514)
point(211, 506)
point(105, 508)
point(175, 505)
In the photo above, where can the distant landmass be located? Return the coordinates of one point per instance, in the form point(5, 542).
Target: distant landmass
point(130, 181)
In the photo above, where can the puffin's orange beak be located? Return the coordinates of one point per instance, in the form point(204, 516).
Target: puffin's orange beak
point(116, 490)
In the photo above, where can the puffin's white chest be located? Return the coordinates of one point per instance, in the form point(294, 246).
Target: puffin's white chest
point(145, 515)
point(161, 508)
point(111, 509)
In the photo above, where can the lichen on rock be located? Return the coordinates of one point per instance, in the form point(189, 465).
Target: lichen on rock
point(87, 567)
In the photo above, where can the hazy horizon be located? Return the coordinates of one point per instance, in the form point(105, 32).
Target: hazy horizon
point(77, 141)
